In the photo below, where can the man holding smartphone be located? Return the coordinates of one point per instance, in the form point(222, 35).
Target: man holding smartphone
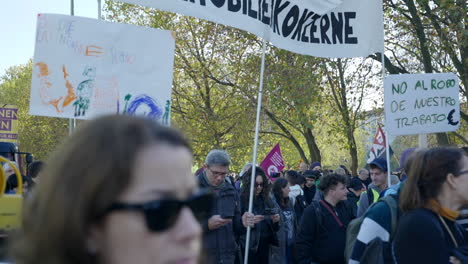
point(225, 223)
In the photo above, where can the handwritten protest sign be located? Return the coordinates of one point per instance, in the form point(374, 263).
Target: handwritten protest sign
point(273, 162)
point(8, 123)
point(86, 67)
point(422, 103)
point(353, 29)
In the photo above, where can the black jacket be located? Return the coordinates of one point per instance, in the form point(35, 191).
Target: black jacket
point(422, 238)
point(320, 238)
point(264, 231)
point(352, 202)
point(309, 193)
point(220, 244)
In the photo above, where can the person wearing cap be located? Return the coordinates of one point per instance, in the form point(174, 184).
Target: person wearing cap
point(310, 189)
point(316, 166)
point(379, 177)
point(377, 222)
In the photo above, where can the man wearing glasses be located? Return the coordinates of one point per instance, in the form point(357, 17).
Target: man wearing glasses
point(224, 224)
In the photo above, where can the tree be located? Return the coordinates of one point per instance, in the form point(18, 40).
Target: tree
point(348, 82)
point(429, 36)
point(37, 134)
point(206, 103)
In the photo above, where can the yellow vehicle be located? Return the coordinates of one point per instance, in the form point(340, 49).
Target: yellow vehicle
point(10, 204)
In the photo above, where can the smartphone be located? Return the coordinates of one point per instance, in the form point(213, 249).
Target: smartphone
point(269, 211)
point(227, 216)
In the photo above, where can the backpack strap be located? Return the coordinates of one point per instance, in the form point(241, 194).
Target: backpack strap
point(370, 196)
point(391, 202)
point(332, 212)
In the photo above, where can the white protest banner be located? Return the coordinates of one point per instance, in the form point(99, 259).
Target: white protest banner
point(86, 67)
point(421, 103)
point(353, 29)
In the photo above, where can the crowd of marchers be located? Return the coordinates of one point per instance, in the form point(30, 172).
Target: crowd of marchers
point(314, 216)
point(121, 190)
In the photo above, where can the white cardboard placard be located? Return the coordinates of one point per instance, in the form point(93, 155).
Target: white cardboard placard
point(422, 103)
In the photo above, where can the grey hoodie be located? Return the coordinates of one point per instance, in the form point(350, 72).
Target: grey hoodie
point(364, 203)
point(295, 191)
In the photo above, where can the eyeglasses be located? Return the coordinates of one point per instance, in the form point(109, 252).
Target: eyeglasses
point(258, 184)
point(218, 173)
point(161, 215)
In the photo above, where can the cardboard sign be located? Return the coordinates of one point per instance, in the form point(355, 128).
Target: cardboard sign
point(8, 123)
point(86, 67)
point(422, 103)
point(353, 29)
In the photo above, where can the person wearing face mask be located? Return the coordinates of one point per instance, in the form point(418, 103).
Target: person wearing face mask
point(119, 190)
point(322, 233)
point(434, 193)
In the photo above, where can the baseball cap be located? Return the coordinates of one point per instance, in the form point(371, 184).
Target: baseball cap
point(379, 163)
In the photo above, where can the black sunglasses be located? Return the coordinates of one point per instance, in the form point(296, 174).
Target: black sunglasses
point(161, 215)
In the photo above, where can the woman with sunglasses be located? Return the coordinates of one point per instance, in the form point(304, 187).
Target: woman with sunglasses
point(266, 219)
point(120, 190)
point(435, 191)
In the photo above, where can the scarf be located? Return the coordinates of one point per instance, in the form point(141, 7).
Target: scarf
point(213, 188)
point(445, 212)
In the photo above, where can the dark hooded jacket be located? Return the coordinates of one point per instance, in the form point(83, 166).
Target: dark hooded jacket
point(220, 244)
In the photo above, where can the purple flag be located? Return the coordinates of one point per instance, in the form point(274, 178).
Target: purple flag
point(273, 162)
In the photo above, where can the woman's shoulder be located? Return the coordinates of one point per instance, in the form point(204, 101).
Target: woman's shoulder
point(420, 218)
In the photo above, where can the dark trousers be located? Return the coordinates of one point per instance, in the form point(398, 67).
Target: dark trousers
point(262, 255)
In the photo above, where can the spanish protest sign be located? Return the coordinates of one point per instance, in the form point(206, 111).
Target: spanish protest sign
point(353, 29)
point(421, 103)
point(85, 67)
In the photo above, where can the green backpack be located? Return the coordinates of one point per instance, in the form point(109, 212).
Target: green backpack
point(355, 225)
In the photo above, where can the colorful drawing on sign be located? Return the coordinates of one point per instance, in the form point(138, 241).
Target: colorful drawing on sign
point(167, 112)
point(85, 68)
point(46, 85)
point(144, 105)
point(126, 99)
point(85, 91)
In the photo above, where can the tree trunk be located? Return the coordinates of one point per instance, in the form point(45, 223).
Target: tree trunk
point(288, 134)
point(442, 139)
point(314, 150)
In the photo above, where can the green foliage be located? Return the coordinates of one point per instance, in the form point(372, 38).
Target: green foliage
point(38, 135)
